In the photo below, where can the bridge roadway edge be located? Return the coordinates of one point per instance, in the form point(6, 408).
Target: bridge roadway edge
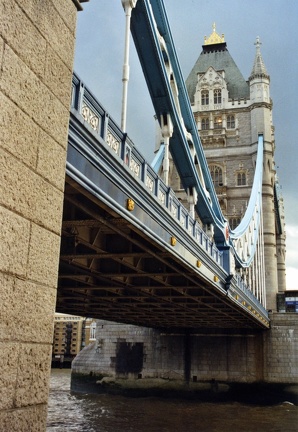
point(148, 207)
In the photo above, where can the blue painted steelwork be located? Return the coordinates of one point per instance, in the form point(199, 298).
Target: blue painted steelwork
point(253, 211)
point(153, 59)
point(100, 124)
point(157, 161)
point(155, 47)
point(101, 155)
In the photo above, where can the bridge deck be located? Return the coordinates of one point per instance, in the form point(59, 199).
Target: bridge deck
point(137, 265)
point(109, 270)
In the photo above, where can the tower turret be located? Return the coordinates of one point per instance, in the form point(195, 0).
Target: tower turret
point(259, 79)
point(259, 83)
point(259, 68)
point(261, 122)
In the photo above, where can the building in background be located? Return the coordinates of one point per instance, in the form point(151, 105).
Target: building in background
point(288, 301)
point(71, 334)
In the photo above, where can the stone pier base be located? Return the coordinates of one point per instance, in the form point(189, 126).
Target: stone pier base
point(243, 366)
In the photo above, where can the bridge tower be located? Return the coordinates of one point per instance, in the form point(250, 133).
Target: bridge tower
point(230, 112)
point(274, 234)
point(36, 56)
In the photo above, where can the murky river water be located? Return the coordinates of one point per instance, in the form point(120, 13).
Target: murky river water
point(70, 412)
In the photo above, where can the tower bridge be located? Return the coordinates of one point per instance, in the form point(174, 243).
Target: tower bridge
point(180, 246)
point(130, 251)
point(115, 203)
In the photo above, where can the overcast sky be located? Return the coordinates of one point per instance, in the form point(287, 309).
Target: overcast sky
point(99, 61)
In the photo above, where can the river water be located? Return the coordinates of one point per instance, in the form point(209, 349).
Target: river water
point(73, 412)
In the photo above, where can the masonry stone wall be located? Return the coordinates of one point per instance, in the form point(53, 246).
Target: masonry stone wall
point(36, 60)
point(281, 349)
point(269, 356)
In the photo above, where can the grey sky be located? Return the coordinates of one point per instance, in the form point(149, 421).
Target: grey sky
point(99, 59)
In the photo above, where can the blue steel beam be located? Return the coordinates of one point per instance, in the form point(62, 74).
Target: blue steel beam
point(153, 59)
point(185, 106)
point(157, 161)
point(148, 25)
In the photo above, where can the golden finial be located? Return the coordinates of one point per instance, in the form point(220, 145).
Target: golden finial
point(214, 38)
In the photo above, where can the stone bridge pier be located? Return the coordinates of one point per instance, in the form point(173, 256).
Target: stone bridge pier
point(37, 40)
point(209, 364)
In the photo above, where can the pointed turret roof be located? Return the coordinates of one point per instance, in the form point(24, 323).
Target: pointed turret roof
point(259, 68)
point(216, 54)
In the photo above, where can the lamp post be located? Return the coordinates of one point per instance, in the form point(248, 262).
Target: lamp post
point(128, 5)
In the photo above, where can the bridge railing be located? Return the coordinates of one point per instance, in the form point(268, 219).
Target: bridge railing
point(98, 121)
point(246, 290)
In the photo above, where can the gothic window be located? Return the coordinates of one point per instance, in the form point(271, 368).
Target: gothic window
point(216, 175)
point(205, 123)
point(217, 123)
point(234, 222)
point(205, 97)
point(241, 178)
point(217, 96)
point(231, 122)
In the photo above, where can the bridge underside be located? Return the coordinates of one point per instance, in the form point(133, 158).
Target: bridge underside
point(109, 270)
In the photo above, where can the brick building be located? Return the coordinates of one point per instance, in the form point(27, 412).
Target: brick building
point(71, 335)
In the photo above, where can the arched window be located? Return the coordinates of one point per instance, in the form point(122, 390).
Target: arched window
point(205, 97)
point(216, 175)
point(217, 96)
point(234, 222)
point(231, 122)
point(241, 178)
point(205, 123)
point(217, 123)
